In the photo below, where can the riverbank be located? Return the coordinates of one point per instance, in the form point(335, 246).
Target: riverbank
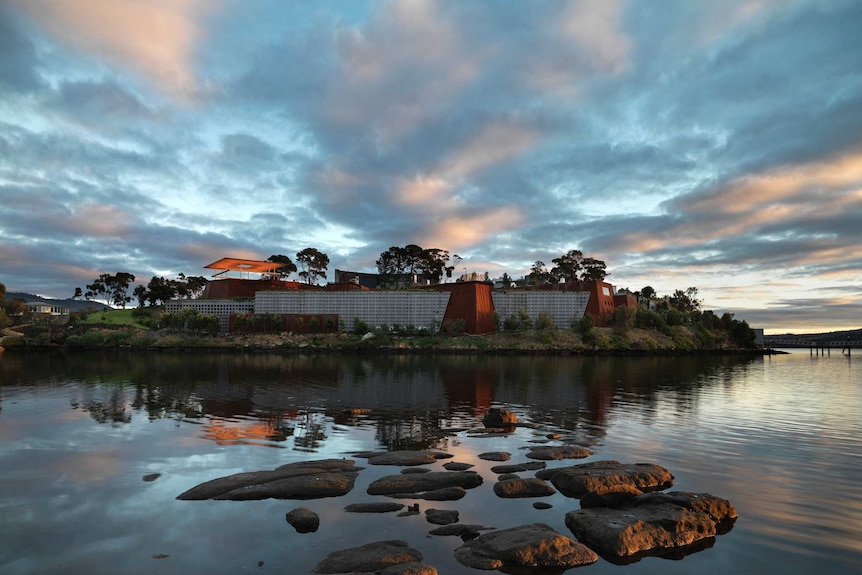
point(599, 341)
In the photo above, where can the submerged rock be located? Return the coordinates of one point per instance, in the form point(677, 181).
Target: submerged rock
point(499, 418)
point(534, 545)
point(454, 466)
point(465, 532)
point(376, 507)
point(607, 476)
point(495, 456)
point(302, 480)
point(444, 494)
point(441, 516)
point(303, 519)
point(411, 568)
point(519, 467)
point(371, 557)
point(403, 457)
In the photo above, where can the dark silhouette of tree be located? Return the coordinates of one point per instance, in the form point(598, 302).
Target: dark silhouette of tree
point(539, 274)
point(313, 263)
point(287, 265)
point(593, 270)
point(568, 266)
point(397, 262)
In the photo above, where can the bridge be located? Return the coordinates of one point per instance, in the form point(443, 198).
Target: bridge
point(821, 347)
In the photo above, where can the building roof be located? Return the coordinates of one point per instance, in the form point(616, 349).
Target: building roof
point(241, 265)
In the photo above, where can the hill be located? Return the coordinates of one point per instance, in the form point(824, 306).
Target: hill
point(853, 335)
point(72, 304)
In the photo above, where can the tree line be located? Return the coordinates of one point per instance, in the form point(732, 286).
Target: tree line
point(313, 264)
point(114, 289)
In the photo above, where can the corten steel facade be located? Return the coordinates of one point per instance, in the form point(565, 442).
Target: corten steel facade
point(471, 302)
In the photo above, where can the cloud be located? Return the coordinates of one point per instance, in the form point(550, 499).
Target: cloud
point(155, 39)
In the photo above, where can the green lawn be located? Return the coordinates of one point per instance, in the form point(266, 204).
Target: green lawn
point(115, 317)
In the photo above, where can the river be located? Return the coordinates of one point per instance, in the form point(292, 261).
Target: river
point(779, 436)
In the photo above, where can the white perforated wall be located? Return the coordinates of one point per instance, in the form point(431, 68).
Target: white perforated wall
point(221, 308)
point(421, 309)
point(563, 307)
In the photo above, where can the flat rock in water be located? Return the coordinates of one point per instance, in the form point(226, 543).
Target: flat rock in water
point(302, 480)
point(409, 470)
point(495, 456)
point(403, 457)
point(719, 510)
point(640, 530)
point(517, 488)
point(557, 453)
point(541, 505)
point(371, 557)
point(444, 494)
point(607, 476)
point(303, 519)
point(454, 466)
point(376, 507)
point(441, 516)
point(519, 467)
point(465, 532)
point(411, 568)
point(418, 483)
point(534, 545)
point(499, 418)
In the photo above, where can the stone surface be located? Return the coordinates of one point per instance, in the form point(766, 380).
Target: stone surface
point(639, 530)
point(499, 418)
point(495, 456)
point(560, 452)
point(623, 497)
point(371, 557)
point(721, 511)
point(534, 545)
point(506, 476)
point(465, 532)
point(411, 568)
point(607, 476)
point(515, 488)
point(441, 516)
point(444, 494)
point(403, 457)
point(303, 519)
point(418, 483)
point(302, 480)
point(376, 507)
point(542, 505)
point(409, 470)
point(151, 476)
point(454, 466)
point(519, 467)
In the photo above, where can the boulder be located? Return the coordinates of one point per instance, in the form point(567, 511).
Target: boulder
point(560, 452)
point(499, 418)
point(371, 557)
point(506, 476)
point(624, 496)
point(444, 494)
point(376, 507)
point(607, 476)
point(419, 483)
point(453, 466)
point(516, 488)
point(441, 516)
point(303, 519)
point(719, 510)
point(465, 532)
point(409, 470)
point(534, 545)
point(495, 456)
point(302, 480)
point(541, 505)
point(411, 568)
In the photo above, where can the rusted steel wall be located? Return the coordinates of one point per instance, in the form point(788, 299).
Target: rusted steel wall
point(234, 287)
point(470, 301)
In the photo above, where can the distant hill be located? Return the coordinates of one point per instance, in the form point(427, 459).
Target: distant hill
point(72, 304)
point(853, 335)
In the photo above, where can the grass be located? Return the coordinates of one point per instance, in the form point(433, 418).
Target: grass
point(115, 318)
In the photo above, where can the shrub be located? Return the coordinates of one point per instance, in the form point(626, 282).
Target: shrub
point(525, 322)
point(544, 322)
point(511, 323)
point(455, 326)
point(328, 323)
point(314, 324)
point(624, 319)
point(360, 327)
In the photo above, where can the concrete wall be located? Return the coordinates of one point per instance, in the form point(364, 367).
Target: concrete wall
point(221, 308)
point(563, 307)
point(419, 308)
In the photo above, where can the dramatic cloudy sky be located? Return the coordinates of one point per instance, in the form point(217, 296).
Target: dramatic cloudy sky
point(715, 144)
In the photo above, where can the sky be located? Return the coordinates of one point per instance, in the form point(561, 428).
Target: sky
point(714, 144)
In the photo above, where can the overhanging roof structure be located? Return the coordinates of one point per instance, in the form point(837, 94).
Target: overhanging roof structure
point(241, 265)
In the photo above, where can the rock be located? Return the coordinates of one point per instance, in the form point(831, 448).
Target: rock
point(411, 568)
point(411, 510)
point(534, 545)
point(515, 488)
point(541, 505)
point(556, 453)
point(519, 467)
point(499, 418)
point(719, 510)
point(377, 507)
point(506, 476)
point(303, 519)
point(607, 476)
point(403, 457)
point(409, 470)
point(371, 557)
point(151, 476)
point(465, 532)
point(553, 436)
point(639, 530)
point(418, 483)
point(302, 480)
point(453, 466)
point(441, 516)
point(495, 456)
point(623, 497)
point(444, 494)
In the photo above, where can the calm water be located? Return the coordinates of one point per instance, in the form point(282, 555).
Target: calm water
point(780, 437)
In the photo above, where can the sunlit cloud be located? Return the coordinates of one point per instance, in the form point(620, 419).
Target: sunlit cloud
point(99, 220)
point(459, 232)
point(156, 39)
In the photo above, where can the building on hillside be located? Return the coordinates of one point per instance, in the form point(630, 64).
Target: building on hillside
point(350, 299)
point(41, 312)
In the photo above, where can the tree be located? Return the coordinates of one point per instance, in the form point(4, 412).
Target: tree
point(78, 293)
point(648, 292)
point(140, 292)
point(539, 274)
point(397, 262)
point(287, 265)
point(685, 301)
point(195, 286)
point(160, 290)
point(507, 281)
point(593, 270)
point(568, 266)
point(117, 287)
point(314, 264)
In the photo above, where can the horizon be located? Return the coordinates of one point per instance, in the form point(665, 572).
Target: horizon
point(686, 144)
